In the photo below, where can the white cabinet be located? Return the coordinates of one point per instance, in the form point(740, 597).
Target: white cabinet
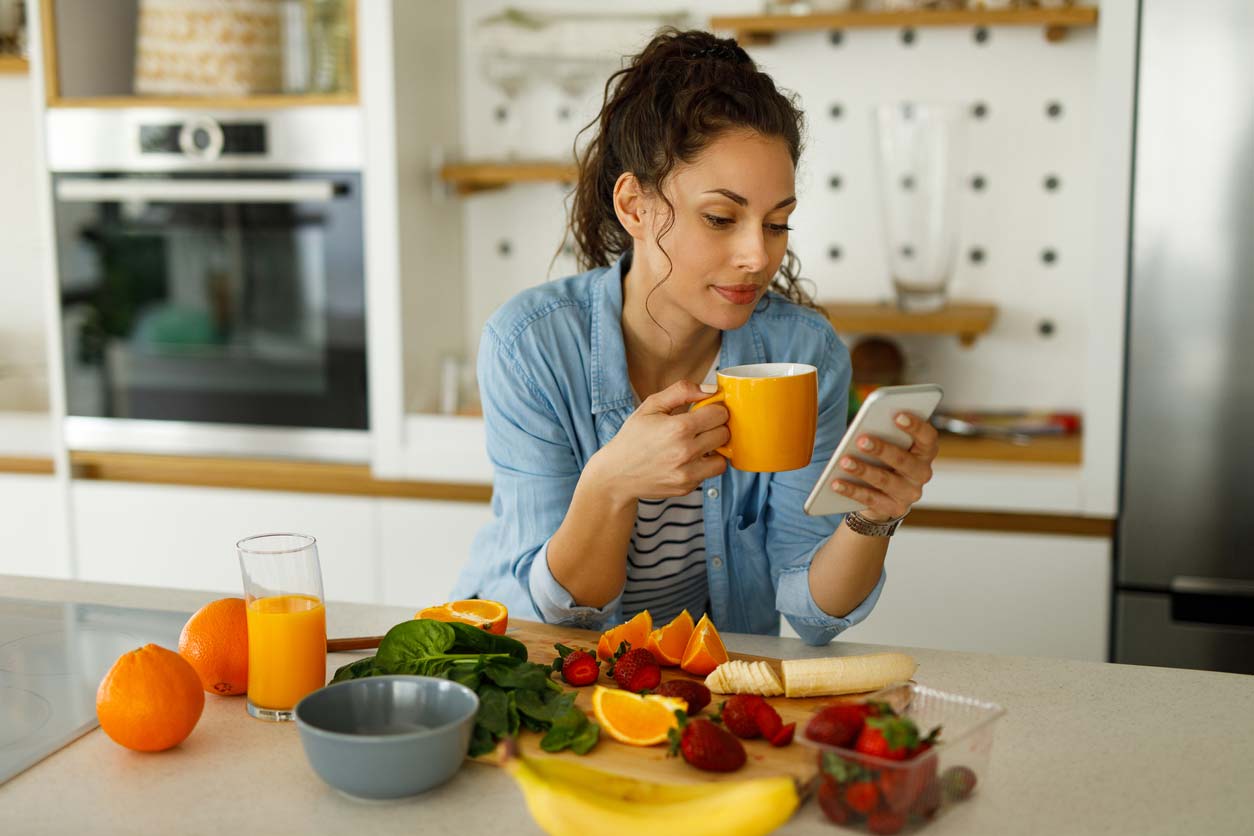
point(31, 529)
point(423, 546)
point(1018, 594)
point(184, 537)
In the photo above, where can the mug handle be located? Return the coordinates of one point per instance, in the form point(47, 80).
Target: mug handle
point(719, 397)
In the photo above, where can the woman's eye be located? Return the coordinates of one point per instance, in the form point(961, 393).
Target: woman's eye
point(717, 221)
point(778, 229)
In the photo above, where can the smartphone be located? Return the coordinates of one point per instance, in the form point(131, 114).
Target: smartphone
point(874, 418)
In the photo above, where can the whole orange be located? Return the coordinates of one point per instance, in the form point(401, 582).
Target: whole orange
point(150, 699)
point(215, 641)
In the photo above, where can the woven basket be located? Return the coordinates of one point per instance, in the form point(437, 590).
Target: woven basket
point(208, 48)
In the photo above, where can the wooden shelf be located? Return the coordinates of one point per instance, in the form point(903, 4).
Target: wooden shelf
point(25, 464)
point(13, 65)
point(469, 178)
point(762, 29)
point(1049, 449)
point(268, 101)
point(966, 320)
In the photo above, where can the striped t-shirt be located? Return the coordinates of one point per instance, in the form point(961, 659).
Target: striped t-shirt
point(666, 556)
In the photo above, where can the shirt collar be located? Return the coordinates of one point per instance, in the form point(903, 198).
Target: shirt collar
point(610, 384)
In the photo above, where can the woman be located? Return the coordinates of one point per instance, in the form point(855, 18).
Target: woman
point(607, 496)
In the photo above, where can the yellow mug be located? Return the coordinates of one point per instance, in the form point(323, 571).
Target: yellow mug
point(773, 409)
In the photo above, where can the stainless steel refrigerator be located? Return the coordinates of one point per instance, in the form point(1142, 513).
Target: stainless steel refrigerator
point(1185, 542)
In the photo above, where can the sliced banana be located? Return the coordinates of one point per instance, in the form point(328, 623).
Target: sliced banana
point(737, 676)
point(845, 674)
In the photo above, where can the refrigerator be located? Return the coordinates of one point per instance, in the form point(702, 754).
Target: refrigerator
point(1184, 594)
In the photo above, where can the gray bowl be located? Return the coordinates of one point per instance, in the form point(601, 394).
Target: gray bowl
point(387, 736)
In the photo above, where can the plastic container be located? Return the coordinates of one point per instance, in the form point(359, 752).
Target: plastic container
point(904, 796)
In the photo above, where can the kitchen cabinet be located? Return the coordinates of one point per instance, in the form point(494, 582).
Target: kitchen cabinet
point(184, 537)
point(31, 531)
point(1018, 594)
point(423, 545)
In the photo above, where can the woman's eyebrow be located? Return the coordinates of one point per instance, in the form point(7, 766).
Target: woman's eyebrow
point(732, 196)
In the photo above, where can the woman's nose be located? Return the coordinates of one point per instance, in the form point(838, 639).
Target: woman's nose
point(751, 250)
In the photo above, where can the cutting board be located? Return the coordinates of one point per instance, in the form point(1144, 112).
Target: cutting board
point(651, 762)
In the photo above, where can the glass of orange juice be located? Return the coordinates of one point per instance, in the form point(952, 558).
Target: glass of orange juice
point(287, 623)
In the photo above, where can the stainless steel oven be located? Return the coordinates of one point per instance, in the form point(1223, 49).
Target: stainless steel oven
point(212, 282)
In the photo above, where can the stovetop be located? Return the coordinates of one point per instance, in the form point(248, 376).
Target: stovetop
point(52, 658)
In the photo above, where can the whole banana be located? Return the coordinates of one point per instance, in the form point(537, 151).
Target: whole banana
point(567, 798)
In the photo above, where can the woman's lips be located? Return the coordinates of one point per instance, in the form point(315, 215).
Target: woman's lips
point(738, 294)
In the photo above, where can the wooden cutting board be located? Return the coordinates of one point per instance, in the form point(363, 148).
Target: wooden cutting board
point(651, 762)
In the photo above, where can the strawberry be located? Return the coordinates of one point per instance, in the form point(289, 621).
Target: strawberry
point(738, 715)
point(694, 693)
point(784, 736)
point(577, 667)
point(832, 803)
point(861, 796)
point(635, 670)
point(888, 737)
point(928, 800)
point(768, 720)
point(885, 822)
point(838, 725)
point(958, 782)
point(706, 745)
point(901, 785)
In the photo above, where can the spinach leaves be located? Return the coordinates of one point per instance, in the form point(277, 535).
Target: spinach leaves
point(513, 693)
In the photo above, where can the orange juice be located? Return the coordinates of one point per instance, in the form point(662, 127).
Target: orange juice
point(287, 649)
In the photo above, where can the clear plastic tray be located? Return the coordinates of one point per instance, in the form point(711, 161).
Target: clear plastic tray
point(909, 794)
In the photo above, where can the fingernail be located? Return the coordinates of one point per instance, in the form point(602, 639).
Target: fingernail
point(839, 487)
point(903, 420)
point(847, 463)
point(864, 443)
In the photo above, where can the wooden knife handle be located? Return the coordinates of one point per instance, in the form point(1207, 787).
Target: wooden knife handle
point(353, 643)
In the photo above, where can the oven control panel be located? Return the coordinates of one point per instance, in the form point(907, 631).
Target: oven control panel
point(204, 138)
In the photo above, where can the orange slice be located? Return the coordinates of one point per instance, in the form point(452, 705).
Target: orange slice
point(635, 632)
point(635, 719)
point(667, 643)
point(490, 615)
point(705, 650)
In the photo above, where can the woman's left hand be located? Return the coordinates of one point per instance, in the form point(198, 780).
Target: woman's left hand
point(897, 483)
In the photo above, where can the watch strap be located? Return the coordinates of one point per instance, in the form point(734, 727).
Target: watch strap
point(871, 528)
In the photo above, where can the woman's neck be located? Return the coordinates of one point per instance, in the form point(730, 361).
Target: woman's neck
point(663, 344)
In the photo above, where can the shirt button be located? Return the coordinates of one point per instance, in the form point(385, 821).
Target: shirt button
point(712, 493)
point(718, 562)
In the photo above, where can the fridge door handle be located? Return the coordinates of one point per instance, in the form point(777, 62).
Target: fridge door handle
point(1217, 601)
point(196, 191)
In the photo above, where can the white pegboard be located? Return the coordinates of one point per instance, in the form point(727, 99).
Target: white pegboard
point(511, 234)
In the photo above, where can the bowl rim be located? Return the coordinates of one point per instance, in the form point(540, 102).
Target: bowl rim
point(305, 725)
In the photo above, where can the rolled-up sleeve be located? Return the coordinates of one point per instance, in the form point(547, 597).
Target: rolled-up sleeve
point(793, 536)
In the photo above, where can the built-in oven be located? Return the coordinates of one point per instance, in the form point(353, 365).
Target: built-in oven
point(211, 275)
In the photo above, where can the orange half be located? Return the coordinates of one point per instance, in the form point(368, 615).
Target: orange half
point(636, 719)
point(667, 643)
point(635, 632)
point(490, 615)
point(705, 650)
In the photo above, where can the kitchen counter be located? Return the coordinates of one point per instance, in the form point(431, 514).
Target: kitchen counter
point(1083, 748)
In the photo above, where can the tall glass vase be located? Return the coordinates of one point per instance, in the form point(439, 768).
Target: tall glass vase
point(921, 150)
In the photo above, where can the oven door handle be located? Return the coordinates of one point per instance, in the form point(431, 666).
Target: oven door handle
point(196, 191)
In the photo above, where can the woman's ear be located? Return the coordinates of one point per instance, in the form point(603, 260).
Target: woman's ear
point(631, 205)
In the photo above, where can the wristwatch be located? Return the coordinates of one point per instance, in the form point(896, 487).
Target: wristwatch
point(871, 528)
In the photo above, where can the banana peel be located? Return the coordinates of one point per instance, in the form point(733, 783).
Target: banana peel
point(567, 798)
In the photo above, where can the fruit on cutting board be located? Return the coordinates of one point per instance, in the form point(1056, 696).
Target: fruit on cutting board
point(577, 666)
point(490, 615)
point(150, 699)
point(635, 669)
point(694, 693)
point(667, 643)
point(749, 716)
point(838, 725)
point(834, 675)
point(635, 719)
point(567, 798)
point(706, 745)
point(737, 676)
point(704, 651)
point(635, 632)
point(215, 642)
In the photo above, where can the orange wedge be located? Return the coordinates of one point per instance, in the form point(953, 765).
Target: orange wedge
point(635, 719)
point(635, 632)
point(490, 615)
point(667, 643)
point(704, 651)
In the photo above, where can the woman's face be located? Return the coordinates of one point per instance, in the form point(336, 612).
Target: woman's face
point(731, 209)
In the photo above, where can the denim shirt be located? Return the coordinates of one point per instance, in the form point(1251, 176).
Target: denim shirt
point(553, 381)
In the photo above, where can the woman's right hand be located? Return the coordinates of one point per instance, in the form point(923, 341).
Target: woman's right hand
point(657, 454)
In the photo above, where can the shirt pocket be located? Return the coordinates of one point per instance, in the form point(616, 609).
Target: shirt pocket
point(752, 587)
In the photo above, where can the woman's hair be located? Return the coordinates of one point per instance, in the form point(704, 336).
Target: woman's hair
point(683, 91)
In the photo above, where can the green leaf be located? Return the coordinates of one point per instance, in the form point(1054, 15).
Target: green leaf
point(570, 730)
point(415, 639)
point(842, 770)
point(510, 673)
point(357, 670)
point(494, 706)
point(899, 732)
point(587, 738)
point(481, 742)
point(470, 639)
